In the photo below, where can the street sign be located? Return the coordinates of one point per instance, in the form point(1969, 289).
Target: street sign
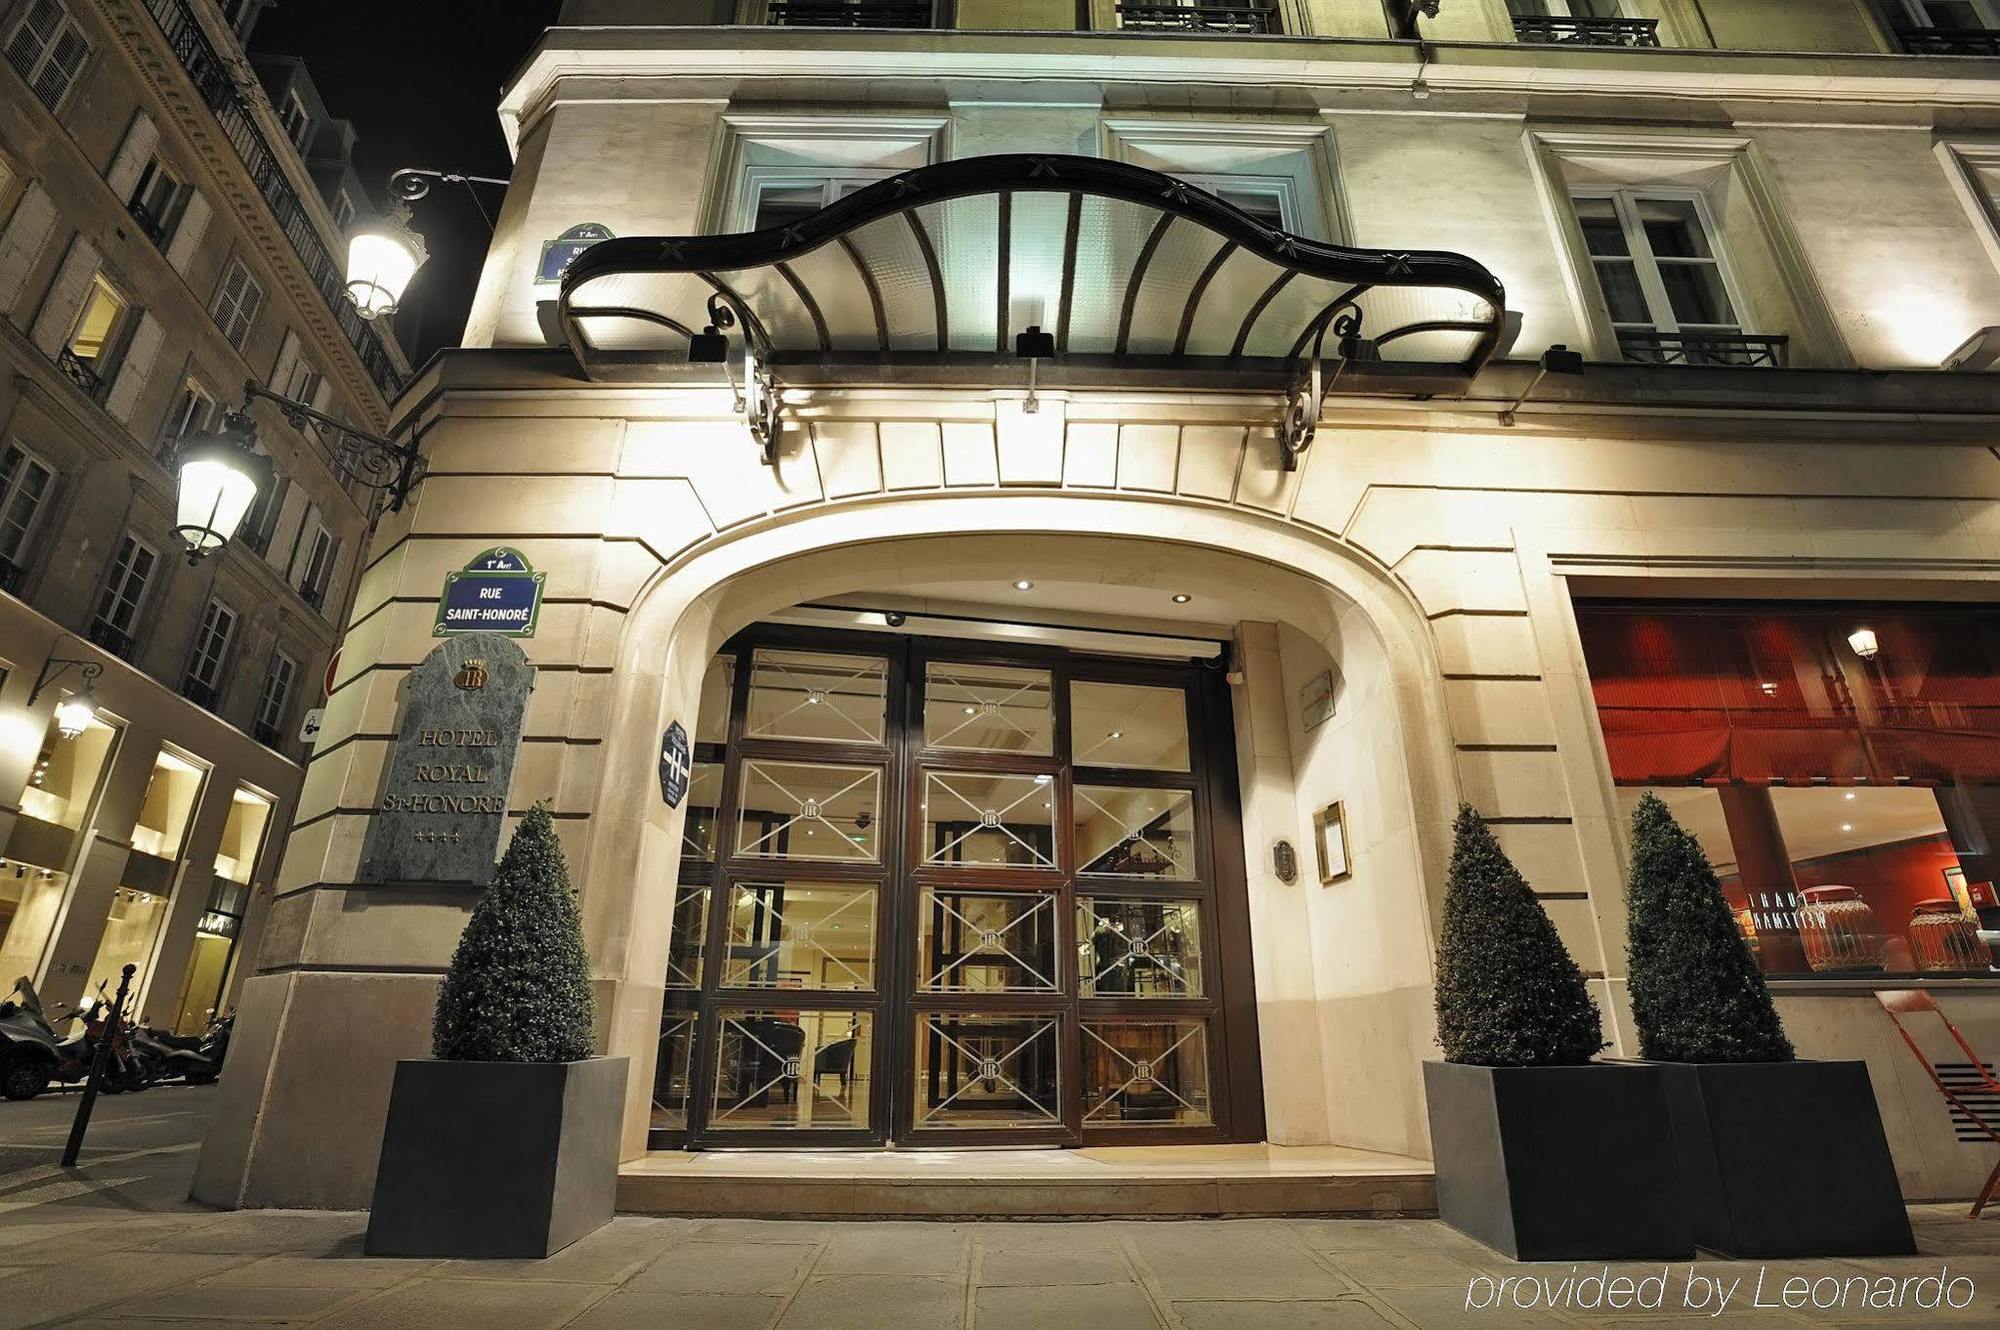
point(495, 593)
point(559, 253)
point(674, 765)
point(332, 673)
point(309, 727)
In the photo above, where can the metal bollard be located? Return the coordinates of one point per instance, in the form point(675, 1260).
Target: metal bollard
point(98, 1057)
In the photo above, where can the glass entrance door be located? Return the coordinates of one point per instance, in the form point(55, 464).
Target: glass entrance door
point(938, 893)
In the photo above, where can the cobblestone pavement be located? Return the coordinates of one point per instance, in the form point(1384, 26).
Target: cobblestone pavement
point(117, 1244)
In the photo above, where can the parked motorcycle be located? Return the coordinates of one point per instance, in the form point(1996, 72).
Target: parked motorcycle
point(35, 1055)
point(195, 1059)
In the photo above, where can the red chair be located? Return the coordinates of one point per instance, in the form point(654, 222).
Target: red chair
point(1902, 1002)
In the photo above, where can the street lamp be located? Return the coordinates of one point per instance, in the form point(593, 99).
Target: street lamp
point(383, 254)
point(221, 476)
point(75, 712)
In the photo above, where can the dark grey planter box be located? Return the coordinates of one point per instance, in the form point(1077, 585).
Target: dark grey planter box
point(497, 1159)
point(1558, 1163)
point(1783, 1159)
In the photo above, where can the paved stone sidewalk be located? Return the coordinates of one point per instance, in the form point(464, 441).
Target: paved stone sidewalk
point(118, 1243)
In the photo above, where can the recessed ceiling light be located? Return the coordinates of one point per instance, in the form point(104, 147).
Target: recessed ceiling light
point(1115, 734)
point(1182, 598)
point(1848, 795)
point(1847, 826)
point(1024, 585)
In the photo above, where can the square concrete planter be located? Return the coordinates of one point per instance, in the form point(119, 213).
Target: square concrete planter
point(1558, 1163)
point(497, 1159)
point(1784, 1159)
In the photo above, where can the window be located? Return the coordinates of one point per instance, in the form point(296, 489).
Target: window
point(193, 411)
point(157, 201)
point(1829, 759)
point(95, 336)
point(124, 593)
point(781, 198)
point(1949, 15)
point(1266, 198)
point(262, 519)
point(297, 121)
point(48, 50)
point(318, 567)
point(276, 696)
point(1198, 16)
point(1662, 279)
point(211, 650)
point(25, 482)
point(343, 210)
point(1566, 8)
point(302, 382)
point(237, 302)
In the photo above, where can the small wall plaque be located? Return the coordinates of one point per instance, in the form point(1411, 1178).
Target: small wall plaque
point(1316, 701)
point(1330, 839)
point(1285, 862)
point(674, 765)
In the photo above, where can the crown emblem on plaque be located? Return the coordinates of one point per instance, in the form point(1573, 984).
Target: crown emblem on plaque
point(472, 674)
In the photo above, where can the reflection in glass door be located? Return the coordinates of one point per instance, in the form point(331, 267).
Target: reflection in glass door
point(948, 894)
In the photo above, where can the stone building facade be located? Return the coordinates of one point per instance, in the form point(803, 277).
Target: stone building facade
point(1484, 576)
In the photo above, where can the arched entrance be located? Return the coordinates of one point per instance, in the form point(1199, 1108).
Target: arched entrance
point(1319, 602)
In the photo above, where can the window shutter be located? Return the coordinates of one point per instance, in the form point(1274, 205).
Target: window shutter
point(187, 236)
point(65, 299)
point(330, 603)
point(286, 533)
point(26, 236)
point(323, 396)
point(135, 369)
point(133, 154)
point(288, 361)
point(301, 555)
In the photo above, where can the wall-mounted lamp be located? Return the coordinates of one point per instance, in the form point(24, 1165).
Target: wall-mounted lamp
point(75, 712)
point(1981, 351)
point(1033, 345)
point(1864, 643)
point(757, 398)
point(384, 253)
point(1558, 359)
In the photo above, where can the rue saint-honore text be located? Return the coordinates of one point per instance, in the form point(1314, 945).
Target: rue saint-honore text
point(448, 773)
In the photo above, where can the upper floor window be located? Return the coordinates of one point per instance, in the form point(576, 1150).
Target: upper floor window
point(48, 50)
point(1663, 281)
point(237, 302)
point(95, 337)
point(268, 727)
point(25, 483)
point(1947, 27)
point(302, 382)
point(194, 410)
point(297, 121)
point(1581, 23)
point(262, 519)
point(211, 651)
point(1194, 16)
point(123, 595)
point(316, 567)
point(852, 13)
point(1268, 199)
point(779, 198)
point(343, 210)
point(157, 201)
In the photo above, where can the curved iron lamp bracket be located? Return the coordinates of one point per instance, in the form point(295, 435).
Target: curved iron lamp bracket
point(54, 667)
point(373, 461)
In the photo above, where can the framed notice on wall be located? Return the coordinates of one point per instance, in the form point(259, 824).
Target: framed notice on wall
point(1330, 839)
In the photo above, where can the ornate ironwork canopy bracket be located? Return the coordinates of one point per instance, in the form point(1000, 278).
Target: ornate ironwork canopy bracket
point(379, 463)
point(1305, 395)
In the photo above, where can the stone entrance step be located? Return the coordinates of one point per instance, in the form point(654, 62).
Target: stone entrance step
point(1155, 1182)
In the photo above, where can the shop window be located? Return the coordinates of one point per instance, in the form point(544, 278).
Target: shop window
point(238, 301)
point(1145, 1073)
point(1836, 763)
point(791, 1069)
point(979, 819)
point(1124, 831)
point(818, 935)
point(220, 928)
point(48, 50)
point(31, 898)
point(993, 1071)
point(123, 595)
point(97, 336)
point(62, 787)
point(797, 810)
point(139, 902)
point(987, 942)
point(1138, 948)
point(274, 698)
point(25, 483)
point(212, 640)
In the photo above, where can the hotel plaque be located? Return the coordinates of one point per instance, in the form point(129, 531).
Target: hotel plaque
point(438, 819)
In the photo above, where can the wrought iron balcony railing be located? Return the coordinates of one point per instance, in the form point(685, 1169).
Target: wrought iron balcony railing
point(155, 230)
point(314, 596)
point(1562, 31)
point(1250, 19)
point(216, 83)
point(852, 13)
point(1644, 346)
point(81, 372)
point(203, 695)
point(12, 575)
point(1948, 41)
point(264, 732)
point(115, 640)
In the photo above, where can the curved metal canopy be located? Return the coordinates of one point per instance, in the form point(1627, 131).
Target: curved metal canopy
point(1113, 259)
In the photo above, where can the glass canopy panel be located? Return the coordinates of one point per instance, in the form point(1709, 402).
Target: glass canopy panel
point(889, 248)
point(835, 285)
point(1184, 251)
point(966, 232)
point(813, 695)
point(1128, 725)
point(818, 935)
point(987, 1071)
point(1236, 286)
point(798, 810)
point(1127, 832)
point(672, 1074)
point(1145, 1073)
point(690, 931)
point(1109, 236)
point(990, 708)
point(1034, 282)
point(981, 820)
point(1138, 948)
point(974, 942)
point(791, 1070)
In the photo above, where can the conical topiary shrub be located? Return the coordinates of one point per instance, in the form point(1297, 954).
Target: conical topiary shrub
point(1508, 994)
point(1697, 994)
point(519, 985)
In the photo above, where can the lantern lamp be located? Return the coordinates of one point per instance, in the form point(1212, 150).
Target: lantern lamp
point(383, 254)
point(220, 477)
point(75, 712)
point(1864, 643)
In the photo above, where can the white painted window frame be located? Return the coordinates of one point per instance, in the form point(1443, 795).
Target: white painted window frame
point(236, 313)
point(210, 650)
point(1297, 161)
point(1646, 265)
point(40, 66)
point(11, 488)
point(295, 120)
point(1968, 167)
point(180, 421)
point(274, 698)
point(118, 577)
point(850, 146)
point(1987, 10)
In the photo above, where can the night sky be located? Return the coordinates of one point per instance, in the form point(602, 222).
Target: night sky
point(420, 80)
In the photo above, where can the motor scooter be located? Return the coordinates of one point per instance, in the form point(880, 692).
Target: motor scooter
point(36, 1055)
point(195, 1059)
